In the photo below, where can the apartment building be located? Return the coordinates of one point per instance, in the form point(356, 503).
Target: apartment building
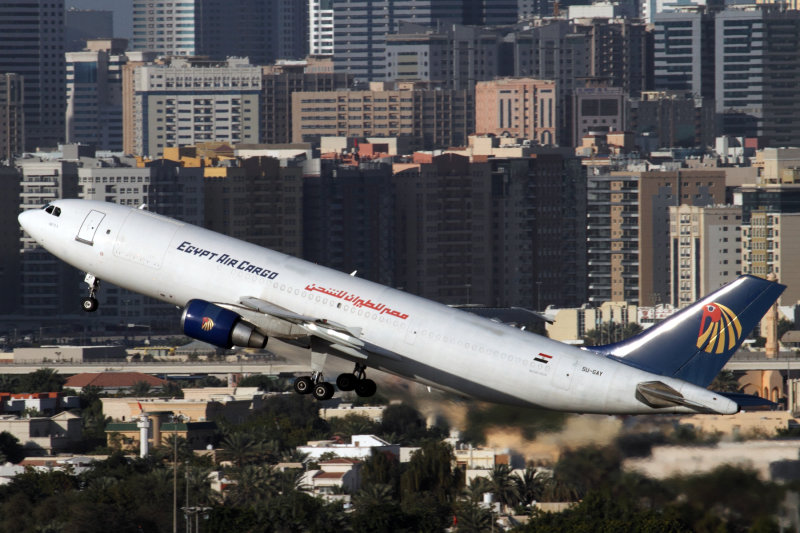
point(431, 118)
point(519, 107)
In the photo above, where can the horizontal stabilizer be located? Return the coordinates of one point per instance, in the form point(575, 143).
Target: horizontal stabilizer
point(748, 401)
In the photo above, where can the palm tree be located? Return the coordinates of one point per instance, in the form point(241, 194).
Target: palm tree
point(472, 518)
point(476, 488)
point(503, 486)
point(530, 486)
point(254, 484)
point(374, 495)
point(240, 448)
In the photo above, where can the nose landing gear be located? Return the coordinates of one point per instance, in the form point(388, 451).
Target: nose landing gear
point(89, 303)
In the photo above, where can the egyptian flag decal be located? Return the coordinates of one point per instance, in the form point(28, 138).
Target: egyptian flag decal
point(543, 358)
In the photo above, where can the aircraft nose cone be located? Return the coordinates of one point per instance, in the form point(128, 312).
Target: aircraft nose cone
point(30, 220)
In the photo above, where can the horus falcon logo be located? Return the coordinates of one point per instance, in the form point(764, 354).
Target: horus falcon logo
point(208, 324)
point(720, 329)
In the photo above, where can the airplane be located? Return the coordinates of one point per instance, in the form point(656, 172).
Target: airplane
point(234, 293)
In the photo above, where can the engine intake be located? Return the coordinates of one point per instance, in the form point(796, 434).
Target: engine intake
point(221, 327)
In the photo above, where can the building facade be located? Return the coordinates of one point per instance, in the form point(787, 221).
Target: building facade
point(12, 122)
point(32, 46)
point(519, 107)
point(431, 118)
point(705, 250)
point(94, 94)
point(320, 27)
point(188, 102)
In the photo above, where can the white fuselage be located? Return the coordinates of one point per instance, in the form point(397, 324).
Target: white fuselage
point(422, 340)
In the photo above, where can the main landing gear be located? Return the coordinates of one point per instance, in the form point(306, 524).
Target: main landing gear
point(89, 304)
point(323, 390)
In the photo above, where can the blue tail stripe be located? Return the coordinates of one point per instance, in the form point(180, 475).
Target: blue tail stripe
point(670, 348)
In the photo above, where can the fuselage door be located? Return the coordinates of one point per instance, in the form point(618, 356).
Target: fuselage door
point(89, 227)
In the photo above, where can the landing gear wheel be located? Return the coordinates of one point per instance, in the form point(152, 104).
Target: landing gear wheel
point(323, 391)
point(366, 387)
point(303, 385)
point(89, 304)
point(346, 382)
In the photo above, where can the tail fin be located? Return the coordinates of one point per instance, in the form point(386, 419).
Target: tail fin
point(695, 343)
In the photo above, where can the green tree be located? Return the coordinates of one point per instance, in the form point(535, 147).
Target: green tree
point(610, 332)
point(503, 486)
point(472, 518)
point(530, 486)
point(42, 380)
point(726, 381)
point(431, 471)
point(10, 448)
point(140, 388)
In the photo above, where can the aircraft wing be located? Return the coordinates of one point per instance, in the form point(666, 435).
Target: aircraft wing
point(338, 336)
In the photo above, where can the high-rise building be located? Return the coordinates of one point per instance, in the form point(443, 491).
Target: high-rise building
point(520, 107)
point(757, 67)
point(360, 29)
point(770, 246)
point(167, 27)
point(657, 192)
point(597, 109)
point(264, 31)
point(553, 51)
point(12, 126)
point(684, 53)
point(32, 45)
point(612, 236)
point(348, 219)
point(664, 118)
point(453, 55)
point(94, 94)
point(10, 198)
point(279, 82)
point(82, 25)
point(259, 200)
point(620, 52)
point(320, 27)
point(430, 118)
point(705, 250)
point(186, 102)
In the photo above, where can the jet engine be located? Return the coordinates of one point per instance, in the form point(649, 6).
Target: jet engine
point(221, 327)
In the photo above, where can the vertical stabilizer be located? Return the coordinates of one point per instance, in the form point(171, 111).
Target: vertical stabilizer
point(695, 343)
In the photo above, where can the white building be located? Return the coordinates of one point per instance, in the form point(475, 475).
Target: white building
point(190, 102)
point(166, 27)
point(320, 27)
point(360, 447)
point(706, 248)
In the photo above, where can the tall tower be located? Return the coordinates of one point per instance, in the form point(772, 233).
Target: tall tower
point(32, 45)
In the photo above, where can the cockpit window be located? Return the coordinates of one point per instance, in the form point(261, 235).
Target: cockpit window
point(53, 210)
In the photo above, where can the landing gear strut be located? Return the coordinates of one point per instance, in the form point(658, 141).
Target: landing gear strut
point(357, 381)
point(89, 304)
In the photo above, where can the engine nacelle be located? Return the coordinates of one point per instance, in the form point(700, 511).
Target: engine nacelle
point(221, 327)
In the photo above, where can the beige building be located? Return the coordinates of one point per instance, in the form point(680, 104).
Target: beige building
point(519, 107)
point(570, 325)
point(196, 410)
point(778, 165)
point(657, 192)
point(55, 434)
point(770, 245)
point(432, 118)
point(706, 248)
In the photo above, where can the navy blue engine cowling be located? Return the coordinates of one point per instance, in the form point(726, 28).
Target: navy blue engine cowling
point(221, 327)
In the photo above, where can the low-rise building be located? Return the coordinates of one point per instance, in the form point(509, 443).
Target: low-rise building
point(113, 382)
point(360, 447)
point(333, 477)
point(194, 409)
point(126, 435)
point(72, 354)
point(373, 412)
point(46, 403)
point(44, 435)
